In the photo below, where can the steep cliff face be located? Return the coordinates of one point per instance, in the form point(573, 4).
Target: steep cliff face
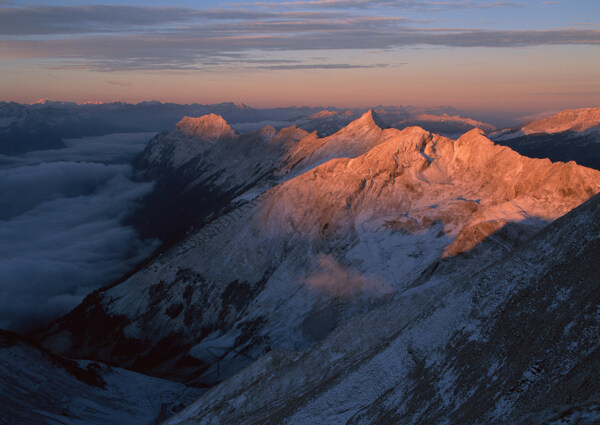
point(516, 343)
point(402, 209)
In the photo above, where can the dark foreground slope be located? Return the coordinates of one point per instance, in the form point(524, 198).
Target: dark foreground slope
point(518, 343)
point(37, 387)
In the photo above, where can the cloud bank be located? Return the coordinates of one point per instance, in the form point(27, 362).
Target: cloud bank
point(120, 38)
point(61, 234)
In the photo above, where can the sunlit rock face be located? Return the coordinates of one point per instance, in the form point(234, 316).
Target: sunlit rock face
point(209, 127)
point(345, 224)
point(515, 343)
point(572, 119)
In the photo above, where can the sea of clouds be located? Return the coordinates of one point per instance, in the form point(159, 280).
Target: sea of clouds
point(61, 230)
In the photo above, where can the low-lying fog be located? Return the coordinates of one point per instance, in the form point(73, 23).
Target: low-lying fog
point(61, 231)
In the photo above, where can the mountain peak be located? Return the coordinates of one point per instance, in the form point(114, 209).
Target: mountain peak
point(473, 133)
point(371, 118)
point(475, 145)
point(368, 121)
point(210, 127)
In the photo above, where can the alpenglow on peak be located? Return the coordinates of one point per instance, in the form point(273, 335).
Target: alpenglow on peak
point(210, 127)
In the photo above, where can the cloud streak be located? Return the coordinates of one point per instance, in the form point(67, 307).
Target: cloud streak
point(321, 66)
point(398, 4)
point(144, 38)
point(205, 50)
point(58, 20)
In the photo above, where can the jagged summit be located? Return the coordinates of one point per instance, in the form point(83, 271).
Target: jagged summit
point(354, 139)
point(571, 119)
point(369, 119)
point(209, 127)
point(473, 136)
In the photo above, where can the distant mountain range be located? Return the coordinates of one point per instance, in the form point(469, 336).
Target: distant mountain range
point(44, 125)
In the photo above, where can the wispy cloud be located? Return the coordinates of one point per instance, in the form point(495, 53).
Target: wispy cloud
point(144, 38)
point(397, 4)
point(118, 83)
point(321, 66)
point(56, 20)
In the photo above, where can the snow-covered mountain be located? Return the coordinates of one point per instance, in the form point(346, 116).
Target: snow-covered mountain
point(37, 387)
point(516, 343)
point(203, 165)
point(327, 122)
point(572, 120)
point(354, 139)
point(65, 120)
point(27, 132)
point(25, 128)
point(569, 120)
point(191, 137)
point(571, 135)
point(352, 221)
point(200, 168)
point(209, 127)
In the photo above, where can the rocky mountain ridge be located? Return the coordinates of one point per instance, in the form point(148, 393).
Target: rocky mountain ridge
point(354, 221)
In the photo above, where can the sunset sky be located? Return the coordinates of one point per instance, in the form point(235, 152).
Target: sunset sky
point(523, 56)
